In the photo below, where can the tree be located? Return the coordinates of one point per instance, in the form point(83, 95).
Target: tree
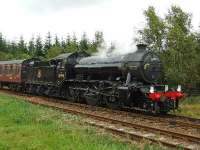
point(75, 44)
point(181, 47)
point(54, 51)
point(5, 56)
point(22, 51)
point(68, 40)
point(154, 32)
point(31, 47)
point(22, 45)
point(2, 43)
point(97, 43)
point(39, 47)
point(47, 44)
point(84, 43)
point(175, 42)
point(13, 47)
point(56, 42)
point(71, 44)
point(63, 43)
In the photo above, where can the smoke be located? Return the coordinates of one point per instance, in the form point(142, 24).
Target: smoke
point(115, 49)
point(123, 47)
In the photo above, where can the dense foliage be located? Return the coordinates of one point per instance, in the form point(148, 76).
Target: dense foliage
point(49, 47)
point(178, 45)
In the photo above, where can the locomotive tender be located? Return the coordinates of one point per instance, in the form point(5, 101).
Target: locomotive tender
point(131, 80)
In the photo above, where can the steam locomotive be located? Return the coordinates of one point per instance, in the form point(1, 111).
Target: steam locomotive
point(131, 80)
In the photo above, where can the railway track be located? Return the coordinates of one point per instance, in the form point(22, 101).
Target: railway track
point(172, 119)
point(136, 130)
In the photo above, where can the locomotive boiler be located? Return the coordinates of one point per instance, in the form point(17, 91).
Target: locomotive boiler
point(141, 66)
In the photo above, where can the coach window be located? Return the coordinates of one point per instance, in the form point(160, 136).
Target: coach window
point(2, 68)
point(10, 69)
point(5, 69)
point(14, 69)
point(18, 69)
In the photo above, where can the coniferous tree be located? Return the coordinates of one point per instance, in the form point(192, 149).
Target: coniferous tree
point(98, 42)
point(31, 47)
point(63, 43)
point(22, 46)
point(71, 44)
point(54, 51)
point(2, 43)
point(74, 43)
point(68, 40)
point(39, 48)
point(56, 42)
point(48, 43)
point(84, 43)
point(13, 47)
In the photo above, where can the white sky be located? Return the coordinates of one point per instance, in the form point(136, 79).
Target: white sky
point(118, 19)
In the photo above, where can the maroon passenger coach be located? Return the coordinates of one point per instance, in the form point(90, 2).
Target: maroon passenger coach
point(13, 73)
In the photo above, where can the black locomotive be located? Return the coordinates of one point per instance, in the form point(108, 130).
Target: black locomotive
point(131, 80)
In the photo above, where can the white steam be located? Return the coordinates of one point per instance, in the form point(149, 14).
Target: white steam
point(115, 49)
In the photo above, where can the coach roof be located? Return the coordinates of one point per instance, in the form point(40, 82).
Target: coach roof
point(11, 62)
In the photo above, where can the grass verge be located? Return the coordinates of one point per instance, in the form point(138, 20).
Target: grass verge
point(24, 126)
point(190, 106)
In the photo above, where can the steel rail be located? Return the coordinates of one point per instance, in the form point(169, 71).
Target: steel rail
point(128, 124)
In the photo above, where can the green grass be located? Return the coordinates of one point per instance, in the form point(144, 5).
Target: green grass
point(24, 126)
point(190, 106)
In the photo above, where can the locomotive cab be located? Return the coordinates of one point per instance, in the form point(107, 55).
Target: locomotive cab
point(67, 62)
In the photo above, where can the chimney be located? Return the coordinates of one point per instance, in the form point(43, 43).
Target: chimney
point(141, 47)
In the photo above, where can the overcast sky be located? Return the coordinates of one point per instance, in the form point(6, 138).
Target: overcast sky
point(118, 19)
